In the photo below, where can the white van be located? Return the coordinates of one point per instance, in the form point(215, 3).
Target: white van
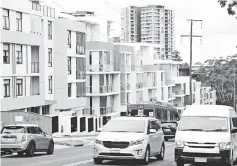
point(207, 134)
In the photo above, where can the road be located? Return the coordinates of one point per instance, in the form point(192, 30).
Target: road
point(79, 156)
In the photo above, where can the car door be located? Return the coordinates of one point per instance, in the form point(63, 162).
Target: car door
point(34, 135)
point(234, 136)
point(153, 137)
point(45, 139)
point(157, 135)
point(160, 135)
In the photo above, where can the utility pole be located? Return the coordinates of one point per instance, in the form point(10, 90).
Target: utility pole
point(234, 91)
point(191, 56)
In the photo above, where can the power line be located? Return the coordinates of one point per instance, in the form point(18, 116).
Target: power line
point(191, 55)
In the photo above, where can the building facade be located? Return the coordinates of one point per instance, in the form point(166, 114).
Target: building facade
point(26, 72)
point(150, 24)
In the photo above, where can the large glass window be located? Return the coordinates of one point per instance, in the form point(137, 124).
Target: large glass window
point(6, 20)
point(19, 21)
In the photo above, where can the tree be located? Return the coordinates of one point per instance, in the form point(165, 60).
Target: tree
point(230, 4)
point(221, 77)
point(176, 56)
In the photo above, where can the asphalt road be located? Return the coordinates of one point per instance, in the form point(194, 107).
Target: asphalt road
point(79, 156)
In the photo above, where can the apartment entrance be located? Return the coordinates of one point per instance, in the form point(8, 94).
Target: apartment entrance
point(90, 125)
point(55, 124)
point(73, 124)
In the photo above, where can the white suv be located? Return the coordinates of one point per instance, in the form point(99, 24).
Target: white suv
point(130, 138)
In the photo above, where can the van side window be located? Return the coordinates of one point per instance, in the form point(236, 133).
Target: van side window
point(234, 122)
point(154, 125)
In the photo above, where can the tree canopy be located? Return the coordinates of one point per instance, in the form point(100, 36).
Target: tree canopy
point(221, 76)
point(230, 5)
point(176, 56)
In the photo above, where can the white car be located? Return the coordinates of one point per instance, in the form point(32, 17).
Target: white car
point(136, 138)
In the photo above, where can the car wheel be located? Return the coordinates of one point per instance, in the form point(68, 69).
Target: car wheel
point(50, 148)
point(98, 161)
point(20, 154)
point(179, 163)
point(30, 150)
point(146, 159)
point(161, 155)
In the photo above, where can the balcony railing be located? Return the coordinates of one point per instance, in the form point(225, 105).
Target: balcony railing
point(179, 105)
point(80, 75)
point(171, 95)
point(137, 68)
point(106, 110)
point(99, 89)
point(139, 85)
point(150, 84)
point(169, 82)
point(88, 112)
point(179, 93)
point(34, 67)
point(128, 86)
point(99, 68)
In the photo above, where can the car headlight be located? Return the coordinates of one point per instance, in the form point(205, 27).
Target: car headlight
point(137, 142)
point(179, 144)
point(23, 138)
point(225, 145)
point(99, 142)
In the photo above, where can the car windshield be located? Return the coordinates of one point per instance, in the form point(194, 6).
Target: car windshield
point(168, 124)
point(208, 124)
point(137, 126)
point(13, 129)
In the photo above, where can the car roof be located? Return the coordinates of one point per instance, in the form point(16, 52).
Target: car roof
point(209, 110)
point(23, 125)
point(135, 118)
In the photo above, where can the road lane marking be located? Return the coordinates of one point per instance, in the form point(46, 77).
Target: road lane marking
point(79, 163)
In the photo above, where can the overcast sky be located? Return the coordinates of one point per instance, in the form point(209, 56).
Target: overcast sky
point(219, 30)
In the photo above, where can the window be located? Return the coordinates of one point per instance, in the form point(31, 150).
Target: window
point(81, 89)
point(45, 110)
point(50, 28)
point(69, 90)
point(69, 65)
point(50, 85)
point(80, 43)
point(19, 87)
point(19, 21)
point(6, 20)
point(50, 57)
point(6, 53)
point(33, 131)
point(7, 88)
point(154, 125)
point(234, 122)
point(19, 54)
point(80, 68)
point(69, 39)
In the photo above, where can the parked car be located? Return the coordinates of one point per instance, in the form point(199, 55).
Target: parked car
point(207, 134)
point(25, 138)
point(136, 138)
point(169, 129)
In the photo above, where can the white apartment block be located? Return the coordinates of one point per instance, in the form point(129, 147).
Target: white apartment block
point(26, 66)
point(130, 25)
point(150, 24)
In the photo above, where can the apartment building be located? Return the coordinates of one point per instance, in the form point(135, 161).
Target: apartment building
point(153, 24)
point(26, 73)
point(131, 24)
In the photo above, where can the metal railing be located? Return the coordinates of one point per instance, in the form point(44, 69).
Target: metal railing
point(34, 67)
point(139, 85)
point(150, 84)
point(179, 93)
point(105, 110)
point(99, 89)
point(179, 105)
point(169, 82)
point(137, 68)
point(99, 68)
point(88, 112)
point(80, 75)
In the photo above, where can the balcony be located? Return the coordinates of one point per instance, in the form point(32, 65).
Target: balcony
point(88, 112)
point(150, 84)
point(137, 68)
point(99, 68)
point(139, 85)
point(128, 86)
point(170, 82)
point(99, 89)
point(80, 75)
point(106, 110)
point(171, 96)
point(181, 93)
point(34, 67)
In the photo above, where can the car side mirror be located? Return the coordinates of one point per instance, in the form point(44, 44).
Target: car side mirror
point(99, 129)
point(44, 133)
point(234, 130)
point(152, 131)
